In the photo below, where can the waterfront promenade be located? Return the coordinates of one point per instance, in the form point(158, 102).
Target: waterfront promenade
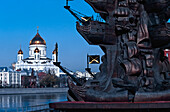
point(13, 91)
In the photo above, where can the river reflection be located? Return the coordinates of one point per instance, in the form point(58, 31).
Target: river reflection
point(15, 101)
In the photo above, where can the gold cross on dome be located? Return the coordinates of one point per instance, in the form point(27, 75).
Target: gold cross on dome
point(37, 29)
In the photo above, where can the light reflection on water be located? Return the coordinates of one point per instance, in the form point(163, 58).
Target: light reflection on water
point(15, 101)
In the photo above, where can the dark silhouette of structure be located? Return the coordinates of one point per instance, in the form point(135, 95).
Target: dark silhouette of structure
point(133, 38)
point(134, 67)
point(135, 72)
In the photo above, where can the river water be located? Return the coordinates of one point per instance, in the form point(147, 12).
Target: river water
point(15, 102)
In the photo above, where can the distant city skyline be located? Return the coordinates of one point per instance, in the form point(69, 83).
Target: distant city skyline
point(18, 25)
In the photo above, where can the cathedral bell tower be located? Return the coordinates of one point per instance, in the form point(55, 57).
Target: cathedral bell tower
point(55, 54)
point(20, 55)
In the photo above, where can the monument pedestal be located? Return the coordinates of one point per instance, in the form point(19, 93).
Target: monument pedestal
point(158, 106)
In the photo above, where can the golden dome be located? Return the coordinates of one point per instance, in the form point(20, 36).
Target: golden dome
point(54, 52)
point(20, 52)
point(37, 40)
point(36, 50)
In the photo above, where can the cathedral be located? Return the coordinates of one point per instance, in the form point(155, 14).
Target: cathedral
point(37, 60)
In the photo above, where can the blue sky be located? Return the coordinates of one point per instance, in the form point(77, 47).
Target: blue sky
point(18, 23)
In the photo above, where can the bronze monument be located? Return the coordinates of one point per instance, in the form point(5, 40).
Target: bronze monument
point(133, 38)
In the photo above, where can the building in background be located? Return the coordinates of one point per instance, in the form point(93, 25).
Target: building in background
point(4, 77)
point(37, 60)
point(14, 78)
point(9, 77)
point(83, 75)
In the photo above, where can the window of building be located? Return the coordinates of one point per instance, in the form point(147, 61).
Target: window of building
point(167, 54)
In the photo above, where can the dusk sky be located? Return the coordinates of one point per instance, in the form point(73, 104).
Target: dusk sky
point(18, 25)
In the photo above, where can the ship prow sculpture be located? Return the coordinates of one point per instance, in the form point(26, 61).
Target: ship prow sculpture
point(133, 38)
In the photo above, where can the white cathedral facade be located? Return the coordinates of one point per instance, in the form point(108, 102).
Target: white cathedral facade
point(37, 60)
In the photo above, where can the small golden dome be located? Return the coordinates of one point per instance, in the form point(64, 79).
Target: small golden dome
point(20, 52)
point(54, 52)
point(36, 50)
